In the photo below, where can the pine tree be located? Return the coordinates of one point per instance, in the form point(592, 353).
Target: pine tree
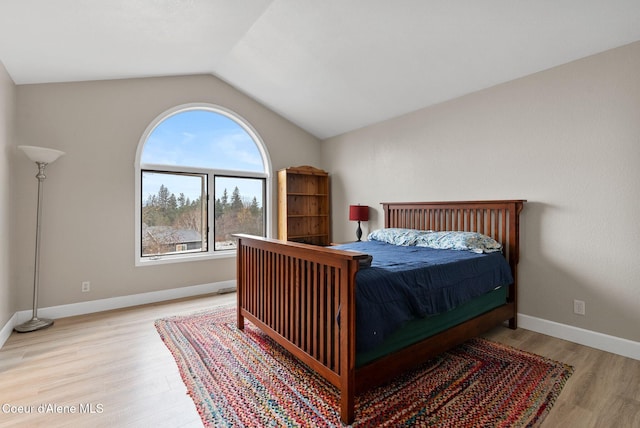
point(163, 197)
point(219, 208)
point(254, 208)
point(236, 201)
point(224, 201)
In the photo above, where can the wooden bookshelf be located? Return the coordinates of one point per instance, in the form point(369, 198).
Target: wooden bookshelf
point(303, 205)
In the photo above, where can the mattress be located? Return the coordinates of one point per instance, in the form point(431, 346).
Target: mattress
point(405, 283)
point(418, 329)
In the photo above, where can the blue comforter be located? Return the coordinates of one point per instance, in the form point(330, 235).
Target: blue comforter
point(409, 282)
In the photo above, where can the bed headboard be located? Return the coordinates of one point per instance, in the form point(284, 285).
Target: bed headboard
point(498, 219)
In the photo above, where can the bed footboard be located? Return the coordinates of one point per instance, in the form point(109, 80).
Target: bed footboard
point(303, 296)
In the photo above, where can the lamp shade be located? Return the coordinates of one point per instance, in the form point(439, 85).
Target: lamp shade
point(41, 154)
point(358, 212)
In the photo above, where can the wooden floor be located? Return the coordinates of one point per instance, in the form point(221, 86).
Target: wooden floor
point(115, 371)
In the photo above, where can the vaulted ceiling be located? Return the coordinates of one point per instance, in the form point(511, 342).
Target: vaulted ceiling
point(329, 66)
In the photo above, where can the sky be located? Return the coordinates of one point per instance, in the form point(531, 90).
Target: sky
point(202, 139)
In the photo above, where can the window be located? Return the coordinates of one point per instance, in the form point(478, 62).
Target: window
point(202, 175)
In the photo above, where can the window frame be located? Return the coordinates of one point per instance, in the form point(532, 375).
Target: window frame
point(214, 196)
point(204, 176)
point(139, 167)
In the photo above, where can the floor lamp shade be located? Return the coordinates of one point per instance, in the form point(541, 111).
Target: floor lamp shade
point(41, 156)
point(358, 213)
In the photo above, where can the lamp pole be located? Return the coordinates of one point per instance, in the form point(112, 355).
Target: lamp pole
point(41, 157)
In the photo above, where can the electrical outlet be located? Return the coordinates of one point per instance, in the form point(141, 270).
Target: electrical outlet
point(86, 286)
point(579, 307)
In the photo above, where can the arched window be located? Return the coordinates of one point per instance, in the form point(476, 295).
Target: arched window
point(202, 175)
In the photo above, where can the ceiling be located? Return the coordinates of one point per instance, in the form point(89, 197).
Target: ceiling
point(329, 66)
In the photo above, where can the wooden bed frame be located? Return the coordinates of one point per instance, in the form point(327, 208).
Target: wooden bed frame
point(294, 293)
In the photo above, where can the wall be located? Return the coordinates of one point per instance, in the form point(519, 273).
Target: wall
point(88, 223)
point(566, 139)
point(7, 126)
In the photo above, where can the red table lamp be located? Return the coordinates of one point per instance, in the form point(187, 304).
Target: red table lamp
point(358, 213)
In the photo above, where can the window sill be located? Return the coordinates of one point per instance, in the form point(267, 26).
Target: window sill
point(161, 260)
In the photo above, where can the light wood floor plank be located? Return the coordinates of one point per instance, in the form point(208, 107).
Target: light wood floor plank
point(603, 390)
point(115, 362)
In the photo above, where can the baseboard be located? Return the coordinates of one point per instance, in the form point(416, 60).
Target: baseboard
point(92, 306)
point(8, 328)
point(604, 342)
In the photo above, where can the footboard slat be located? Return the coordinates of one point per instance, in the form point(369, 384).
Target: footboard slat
point(322, 283)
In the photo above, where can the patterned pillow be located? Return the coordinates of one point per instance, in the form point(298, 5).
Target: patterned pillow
point(471, 241)
point(397, 236)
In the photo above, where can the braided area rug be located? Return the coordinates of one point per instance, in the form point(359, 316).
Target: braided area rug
point(244, 379)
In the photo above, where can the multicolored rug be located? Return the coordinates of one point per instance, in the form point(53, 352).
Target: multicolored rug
point(244, 379)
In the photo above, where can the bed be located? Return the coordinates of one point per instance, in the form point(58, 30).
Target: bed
point(304, 296)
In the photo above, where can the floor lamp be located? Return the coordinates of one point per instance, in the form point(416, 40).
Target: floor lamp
point(41, 156)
